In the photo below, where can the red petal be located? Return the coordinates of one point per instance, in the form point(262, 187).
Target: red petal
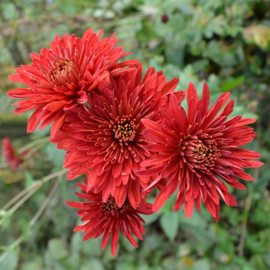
point(117, 169)
point(55, 106)
point(121, 194)
point(16, 78)
point(105, 239)
point(148, 74)
point(134, 193)
point(160, 200)
point(191, 110)
point(171, 187)
point(180, 95)
point(229, 199)
point(114, 240)
point(248, 154)
point(244, 176)
point(169, 86)
point(192, 92)
point(198, 202)
point(255, 164)
point(153, 183)
point(211, 207)
point(131, 240)
point(237, 185)
point(179, 201)
point(34, 120)
point(57, 124)
point(119, 71)
point(188, 207)
point(245, 121)
point(206, 92)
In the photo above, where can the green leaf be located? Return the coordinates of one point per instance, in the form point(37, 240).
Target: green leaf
point(10, 261)
point(107, 254)
point(169, 223)
point(34, 264)
point(76, 242)
point(258, 262)
point(151, 218)
point(168, 263)
point(143, 266)
point(225, 242)
point(202, 264)
point(29, 180)
point(93, 247)
point(57, 249)
point(183, 250)
point(147, 33)
point(175, 52)
point(92, 264)
point(231, 83)
point(196, 220)
point(55, 155)
point(125, 266)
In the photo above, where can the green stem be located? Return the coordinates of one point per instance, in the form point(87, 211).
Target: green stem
point(44, 205)
point(18, 204)
point(27, 193)
point(13, 245)
point(39, 212)
point(36, 216)
point(29, 145)
point(18, 196)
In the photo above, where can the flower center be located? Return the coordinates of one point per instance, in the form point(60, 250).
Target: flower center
point(110, 207)
point(200, 154)
point(63, 71)
point(124, 129)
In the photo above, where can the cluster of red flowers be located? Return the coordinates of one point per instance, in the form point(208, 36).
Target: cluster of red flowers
point(129, 134)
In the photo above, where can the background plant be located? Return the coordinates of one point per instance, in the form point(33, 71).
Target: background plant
point(226, 44)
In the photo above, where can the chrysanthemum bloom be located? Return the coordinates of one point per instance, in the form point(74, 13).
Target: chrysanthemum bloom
point(107, 137)
point(10, 155)
point(106, 217)
point(60, 77)
point(198, 151)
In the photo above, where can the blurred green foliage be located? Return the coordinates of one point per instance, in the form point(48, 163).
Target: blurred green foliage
point(223, 42)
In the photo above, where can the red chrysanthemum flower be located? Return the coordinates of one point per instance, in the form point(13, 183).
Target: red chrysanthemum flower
point(199, 150)
point(107, 137)
point(60, 76)
point(10, 155)
point(108, 218)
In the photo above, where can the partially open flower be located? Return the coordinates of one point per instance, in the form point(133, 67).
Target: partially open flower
point(108, 138)
point(198, 151)
point(61, 76)
point(10, 155)
point(108, 218)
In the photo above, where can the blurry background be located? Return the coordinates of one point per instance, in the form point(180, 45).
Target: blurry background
point(223, 42)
